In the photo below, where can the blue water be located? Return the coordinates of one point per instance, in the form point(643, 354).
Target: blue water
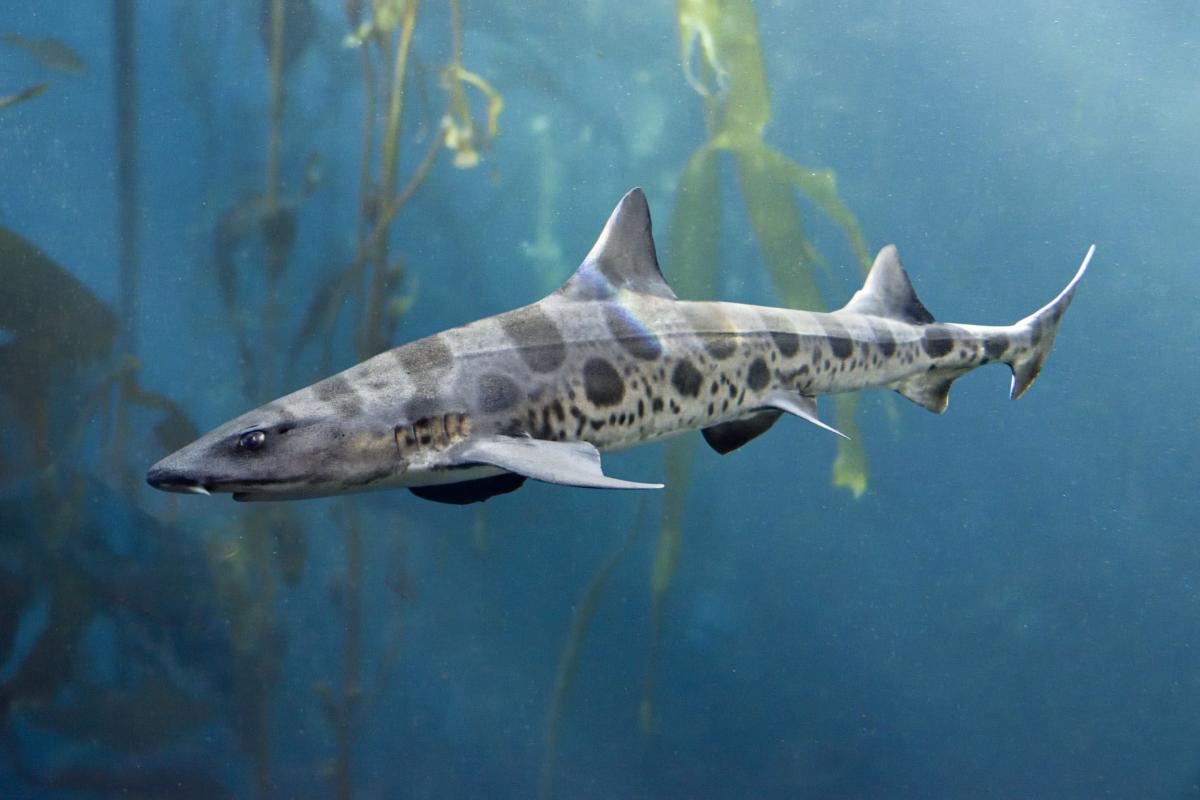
point(1011, 610)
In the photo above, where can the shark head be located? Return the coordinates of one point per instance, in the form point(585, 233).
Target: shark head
point(283, 451)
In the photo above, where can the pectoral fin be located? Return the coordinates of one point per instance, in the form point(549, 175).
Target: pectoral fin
point(565, 463)
point(802, 406)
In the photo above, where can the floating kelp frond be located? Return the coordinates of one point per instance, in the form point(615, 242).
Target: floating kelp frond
point(25, 94)
point(738, 108)
point(50, 53)
point(460, 131)
point(42, 302)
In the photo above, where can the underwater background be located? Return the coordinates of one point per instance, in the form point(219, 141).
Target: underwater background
point(205, 205)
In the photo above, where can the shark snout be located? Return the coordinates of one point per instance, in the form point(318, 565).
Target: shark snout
point(169, 478)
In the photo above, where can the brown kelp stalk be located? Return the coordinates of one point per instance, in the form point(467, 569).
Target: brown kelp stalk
point(370, 340)
point(124, 17)
point(372, 281)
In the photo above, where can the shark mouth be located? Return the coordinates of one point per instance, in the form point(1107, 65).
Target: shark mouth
point(170, 481)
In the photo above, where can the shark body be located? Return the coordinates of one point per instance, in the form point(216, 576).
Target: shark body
point(610, 360)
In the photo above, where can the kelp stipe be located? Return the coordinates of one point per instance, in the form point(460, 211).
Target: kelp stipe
point(723, 61)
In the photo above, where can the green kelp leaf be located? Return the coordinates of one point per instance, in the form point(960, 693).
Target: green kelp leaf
point(696, 228)
point(820, 188)
point(775, 216)
point(724, 33)
point(850, 465)
point(695, 237)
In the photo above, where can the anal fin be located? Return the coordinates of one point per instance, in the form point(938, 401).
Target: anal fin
point(565, 463)
point(801, 406)
point(729, 436)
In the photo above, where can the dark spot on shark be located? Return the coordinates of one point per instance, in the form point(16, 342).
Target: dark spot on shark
point(786, 341)
point(332, 388)
point(686, 379)
point(538, 339)
point(424, 358)
point(596, 424)
point(994, 345)
point(497, 392)
point(602, 383)
point(758, 376)
point(714, 330)
point(423, 406)
point(884, 340)
point(938, 340)
point(656, 404)
point(839, 339)
point(348, 405)
point(638, 340)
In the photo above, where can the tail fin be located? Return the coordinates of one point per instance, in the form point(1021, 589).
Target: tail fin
point(1041, 327)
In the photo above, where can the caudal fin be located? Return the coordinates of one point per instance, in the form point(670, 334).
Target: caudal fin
point(1041, 327)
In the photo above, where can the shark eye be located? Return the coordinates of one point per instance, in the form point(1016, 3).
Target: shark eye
point(252, 440)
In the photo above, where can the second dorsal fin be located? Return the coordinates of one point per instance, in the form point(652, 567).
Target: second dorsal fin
point(622, 258)
point(888, 292)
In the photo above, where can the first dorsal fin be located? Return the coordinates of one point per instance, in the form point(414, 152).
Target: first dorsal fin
point(622, 258)
point(888, 292)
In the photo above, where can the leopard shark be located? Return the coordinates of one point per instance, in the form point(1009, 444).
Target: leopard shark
point(610, 360)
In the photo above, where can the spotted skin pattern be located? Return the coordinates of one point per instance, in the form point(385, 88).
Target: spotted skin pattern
point(612, 359)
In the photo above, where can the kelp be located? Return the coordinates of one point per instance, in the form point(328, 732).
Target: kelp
point(44, 305)
point(568, 662)
point(374, 291)
point(52, 54)
point(27, 93)
point(723, 61)
point(55, 325)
